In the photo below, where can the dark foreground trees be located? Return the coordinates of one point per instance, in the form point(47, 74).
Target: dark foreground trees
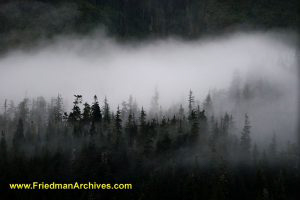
point(174, 155)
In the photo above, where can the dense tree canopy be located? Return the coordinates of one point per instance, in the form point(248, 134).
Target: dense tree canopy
point(202, 155)
point(23, 22)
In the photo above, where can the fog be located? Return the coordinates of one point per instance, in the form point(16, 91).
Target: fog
point(97, 64)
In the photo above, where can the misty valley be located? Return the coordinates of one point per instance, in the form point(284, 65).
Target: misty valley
point(149, 99)
point(192, 150)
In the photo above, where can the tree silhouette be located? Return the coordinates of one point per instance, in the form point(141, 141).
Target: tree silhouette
point(96, 111)
point(245, 138)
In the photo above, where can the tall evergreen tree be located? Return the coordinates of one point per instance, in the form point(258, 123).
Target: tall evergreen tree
point(143, 121)
point(23, 109)
point(191, 102)
point(76, 115)
point(131, 129)
point(118, 127)
point(96, 111)
point(86, 115)
point(58, 109)
point(194, 123)
point(106, 111)
point(245, 137)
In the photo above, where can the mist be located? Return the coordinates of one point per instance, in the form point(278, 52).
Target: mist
point(97, 64)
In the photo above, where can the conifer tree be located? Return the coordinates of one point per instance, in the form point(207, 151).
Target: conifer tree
point(118, 127)
point(23, 109)
point(86, 115)
point(245, 137)
point(191, 101)
point(106, 111)
point(131, 129)
point(75, 115)
point(58, 110)
point(143, 119)
point(96, 114)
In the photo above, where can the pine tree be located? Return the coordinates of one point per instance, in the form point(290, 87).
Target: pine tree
point(131, 129)
point(75, 115)
point(23, 109)
point(143, 129)
point(245, 138)
point(106, 111)
point(58, 110)
point(143, 119)
point(118, 127)
point(193, 119)
point(96, 111)
point(86, 115)
point(225, 124)
point(191, 102)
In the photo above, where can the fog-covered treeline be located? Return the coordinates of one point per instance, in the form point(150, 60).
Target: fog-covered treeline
point(191, 148)
point(67, 68)
point(24, 22)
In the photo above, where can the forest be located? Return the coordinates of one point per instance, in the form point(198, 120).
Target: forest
point(182, 153)
point(66, 68)
point(24, 23)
